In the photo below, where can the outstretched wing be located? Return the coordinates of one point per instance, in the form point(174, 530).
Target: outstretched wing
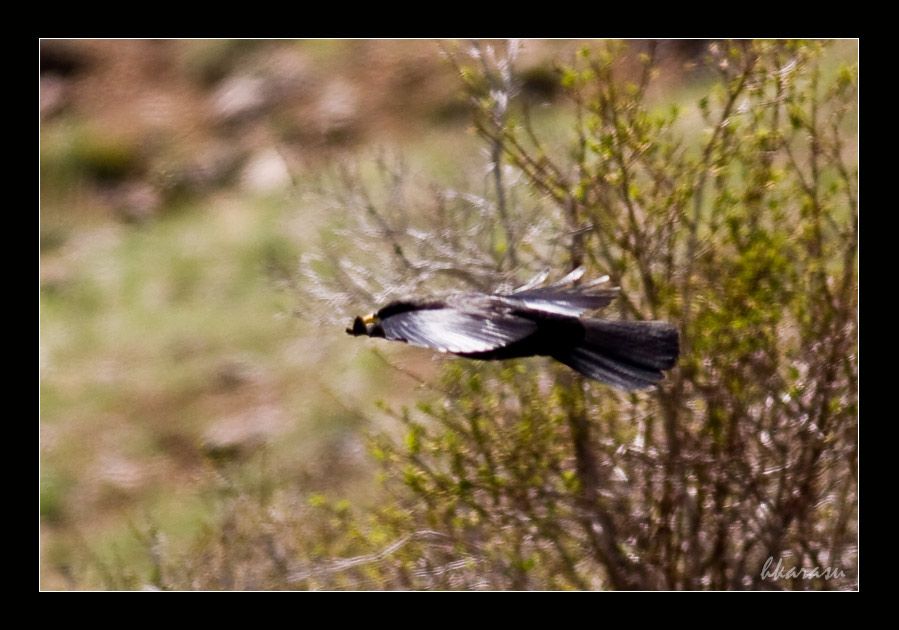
point(451, 330)
point(572, 302)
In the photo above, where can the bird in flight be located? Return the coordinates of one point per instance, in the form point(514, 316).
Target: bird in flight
point(534, 320)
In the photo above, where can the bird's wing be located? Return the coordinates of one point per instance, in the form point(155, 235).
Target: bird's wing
point(451, 330)
point(572, 302)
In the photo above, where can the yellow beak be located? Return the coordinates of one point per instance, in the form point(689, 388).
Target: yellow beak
point(370, 319)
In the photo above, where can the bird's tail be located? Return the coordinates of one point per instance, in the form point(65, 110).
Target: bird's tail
point(630, 355)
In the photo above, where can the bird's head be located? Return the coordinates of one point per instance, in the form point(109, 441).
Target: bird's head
point(364, 326)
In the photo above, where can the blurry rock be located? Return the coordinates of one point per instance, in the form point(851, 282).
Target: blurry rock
point(54, 95)
point(239, 98)
point(136, 202)
point(117, 474)
point(273, 79)
point(338, 108)
point(266, 172)
point(289, 72)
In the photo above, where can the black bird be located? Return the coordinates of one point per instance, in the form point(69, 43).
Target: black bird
point(533, 321)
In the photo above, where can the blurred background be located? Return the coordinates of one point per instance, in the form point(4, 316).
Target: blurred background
point(179, 187)
point(173, 176)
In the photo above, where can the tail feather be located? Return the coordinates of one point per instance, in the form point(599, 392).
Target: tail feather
point(630, 355)
point(611, 371)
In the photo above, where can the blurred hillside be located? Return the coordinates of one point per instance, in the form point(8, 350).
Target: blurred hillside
point(149, 122)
